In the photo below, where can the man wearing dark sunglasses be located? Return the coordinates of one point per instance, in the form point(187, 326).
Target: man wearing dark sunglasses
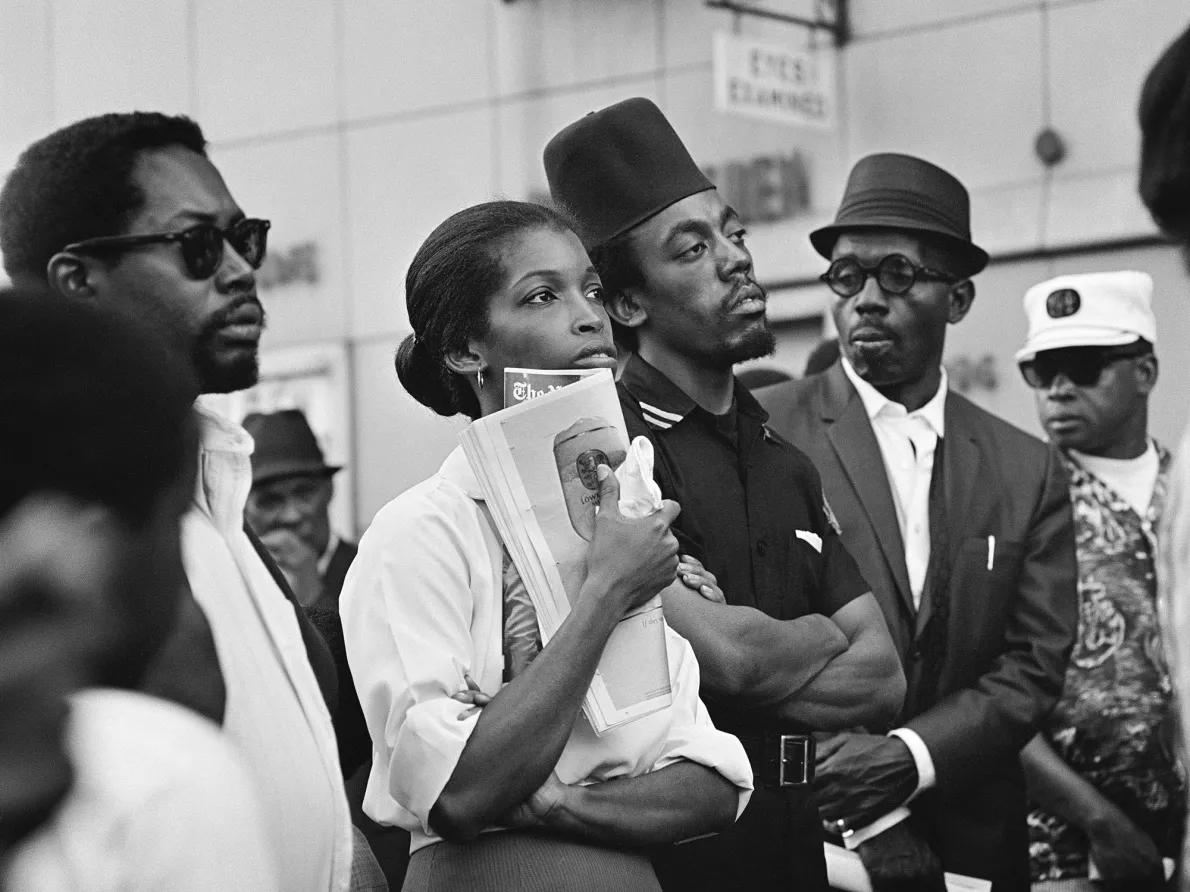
point(128, 210)
point(959, 521)
point(1105, 790)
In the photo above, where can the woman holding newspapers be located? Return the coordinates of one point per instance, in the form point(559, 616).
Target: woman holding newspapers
point(482, 748)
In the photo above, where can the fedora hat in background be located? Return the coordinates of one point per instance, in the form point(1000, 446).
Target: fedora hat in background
point(285, 446)
point(906, 194)
point(615, 168)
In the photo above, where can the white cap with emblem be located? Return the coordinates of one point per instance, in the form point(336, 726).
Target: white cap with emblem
point(1089, 310)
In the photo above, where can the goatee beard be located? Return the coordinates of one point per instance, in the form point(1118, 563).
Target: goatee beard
point(754, 344)
point(218, 374)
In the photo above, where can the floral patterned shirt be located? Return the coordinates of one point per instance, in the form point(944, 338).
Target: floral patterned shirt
point(1114, 724)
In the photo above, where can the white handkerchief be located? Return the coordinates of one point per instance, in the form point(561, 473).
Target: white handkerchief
point(813, 539)
point(639, 493)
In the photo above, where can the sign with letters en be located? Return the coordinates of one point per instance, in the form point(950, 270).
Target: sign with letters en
point(775, 82)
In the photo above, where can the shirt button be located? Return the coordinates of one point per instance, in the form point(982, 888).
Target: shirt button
point(762, 545)
point(1141, 555)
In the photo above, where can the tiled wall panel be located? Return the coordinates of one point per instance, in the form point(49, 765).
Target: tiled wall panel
point(265, 67)
point(403, 180)
point(102, 51)
point(550, 44)
point(298, 189)
point(399, 442)
point(404, 56)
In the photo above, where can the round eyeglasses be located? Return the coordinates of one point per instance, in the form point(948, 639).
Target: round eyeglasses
point(202, 245)
point(895, 274)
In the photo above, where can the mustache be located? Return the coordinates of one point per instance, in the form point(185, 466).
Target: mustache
point(872, 331)
point(745, 289)
point(226, 315)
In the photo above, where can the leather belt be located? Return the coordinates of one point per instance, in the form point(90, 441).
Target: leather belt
point(780, 760)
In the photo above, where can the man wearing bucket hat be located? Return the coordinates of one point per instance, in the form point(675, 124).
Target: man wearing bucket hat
point(1105, 791)
point(800, 634)
point(960, 521)
point(288, 507)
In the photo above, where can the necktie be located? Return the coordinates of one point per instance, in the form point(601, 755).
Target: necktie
point(934, 637)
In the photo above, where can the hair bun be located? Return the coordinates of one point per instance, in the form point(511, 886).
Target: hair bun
point(424, 377)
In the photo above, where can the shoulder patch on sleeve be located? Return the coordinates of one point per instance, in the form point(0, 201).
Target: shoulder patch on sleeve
point(830, 516)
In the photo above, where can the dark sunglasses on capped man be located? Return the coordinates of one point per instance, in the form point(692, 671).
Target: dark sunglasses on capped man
point(202, 244)
point(895, 274)
point(1082, 366)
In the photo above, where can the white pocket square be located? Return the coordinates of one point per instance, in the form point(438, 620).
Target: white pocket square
point(813, 539)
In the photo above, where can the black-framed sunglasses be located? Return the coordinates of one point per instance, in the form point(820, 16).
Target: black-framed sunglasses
point(1082, 366)
point(895, 274)
point(202, 244)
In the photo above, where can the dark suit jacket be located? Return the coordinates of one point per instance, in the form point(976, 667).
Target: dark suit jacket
point(1010, 628)
point(355, 746)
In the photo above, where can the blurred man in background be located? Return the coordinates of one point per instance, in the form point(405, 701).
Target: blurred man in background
point(127, 211)
point(289, 508)
point(97, 458)
point(1107, 798)
point(1165, 189)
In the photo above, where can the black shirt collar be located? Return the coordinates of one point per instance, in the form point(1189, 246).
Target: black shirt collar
point(664, 404)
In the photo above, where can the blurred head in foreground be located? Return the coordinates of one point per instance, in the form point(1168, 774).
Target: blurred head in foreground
point(96, 470)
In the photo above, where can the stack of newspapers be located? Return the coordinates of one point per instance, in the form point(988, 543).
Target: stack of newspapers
point(536, 462)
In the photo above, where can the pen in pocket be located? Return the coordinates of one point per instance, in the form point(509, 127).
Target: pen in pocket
point(991, 551)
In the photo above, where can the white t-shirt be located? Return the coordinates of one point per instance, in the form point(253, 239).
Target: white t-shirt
point(1132, 478)
point(421, 605)
point(160, 801)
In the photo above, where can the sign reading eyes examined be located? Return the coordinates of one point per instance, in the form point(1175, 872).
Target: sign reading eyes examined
point(775, 82)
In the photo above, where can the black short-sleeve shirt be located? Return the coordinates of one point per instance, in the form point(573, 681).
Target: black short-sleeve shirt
point(753, 512)
point(752, 505)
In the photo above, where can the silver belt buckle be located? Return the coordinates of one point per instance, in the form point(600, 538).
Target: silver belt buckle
point(796, 748)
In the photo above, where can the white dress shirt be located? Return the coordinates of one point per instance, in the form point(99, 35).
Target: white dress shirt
point(275, 713)
point(160, 801)
point(908, 441)
point(421, 606)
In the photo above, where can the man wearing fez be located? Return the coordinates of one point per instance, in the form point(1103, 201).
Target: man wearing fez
point(1105, 790)
point(1165, 189)
point(799, 643)
point(127, 210)
point(960, 522)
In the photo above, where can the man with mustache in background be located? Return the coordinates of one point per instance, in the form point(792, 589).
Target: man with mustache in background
point(128, 210)
point(961, 523)
point(788, 636)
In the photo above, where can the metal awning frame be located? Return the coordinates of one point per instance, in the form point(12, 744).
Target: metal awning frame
point(831, 16)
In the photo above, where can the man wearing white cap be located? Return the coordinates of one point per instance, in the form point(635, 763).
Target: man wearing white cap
point(1107, 800)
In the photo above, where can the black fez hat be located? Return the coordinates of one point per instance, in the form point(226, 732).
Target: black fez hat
point(616, 168)
point(907, 194)
point(1165, 139)
point(285, 447)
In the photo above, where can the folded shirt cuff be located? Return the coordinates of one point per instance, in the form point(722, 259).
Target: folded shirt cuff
point(855, 838)
point(926, 776)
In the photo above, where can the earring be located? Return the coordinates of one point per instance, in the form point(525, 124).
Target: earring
point(479, 378)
